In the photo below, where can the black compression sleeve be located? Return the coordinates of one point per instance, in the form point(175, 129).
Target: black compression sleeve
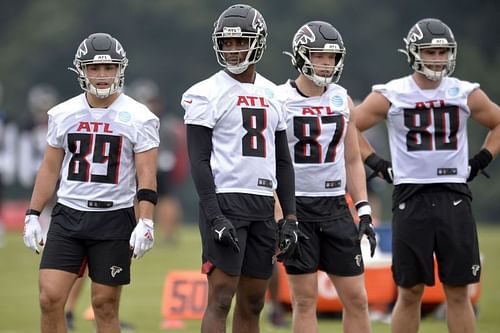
point(199, 141)
point(285, 175)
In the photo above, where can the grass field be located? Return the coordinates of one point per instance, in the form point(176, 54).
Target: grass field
point(141, 301)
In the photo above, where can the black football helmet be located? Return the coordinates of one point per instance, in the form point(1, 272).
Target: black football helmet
point(240, 21)
point(100, 48)
point(430, 33)
point(317, 36)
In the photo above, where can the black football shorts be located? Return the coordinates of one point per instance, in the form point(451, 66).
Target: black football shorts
point(332, 247)
point(108, 260)
point(257, 241)
point(435, 223)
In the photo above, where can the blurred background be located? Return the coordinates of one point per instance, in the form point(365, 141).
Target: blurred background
point(168, 42)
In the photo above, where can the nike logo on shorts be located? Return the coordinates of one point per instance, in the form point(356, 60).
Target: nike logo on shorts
point(456, 202)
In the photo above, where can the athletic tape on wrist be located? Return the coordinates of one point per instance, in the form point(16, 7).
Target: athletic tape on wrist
point(363, 208)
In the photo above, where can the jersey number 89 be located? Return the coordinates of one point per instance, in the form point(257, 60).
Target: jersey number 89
point(104, 149)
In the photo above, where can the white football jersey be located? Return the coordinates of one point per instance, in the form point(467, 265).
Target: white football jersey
point(428, 130)
point(100, 145)
point(316, 130)
point(244, 118)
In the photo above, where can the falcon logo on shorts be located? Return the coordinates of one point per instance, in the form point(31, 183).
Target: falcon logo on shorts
point(475, 269)
point(115, 270)
point(358, 258)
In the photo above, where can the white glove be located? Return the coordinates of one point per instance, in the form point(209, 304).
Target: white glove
point(142, 238)
point(32, 234)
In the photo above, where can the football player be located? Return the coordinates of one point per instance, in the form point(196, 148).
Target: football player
point(237, 145)
point(426, 114)
point(322, 140)
point(102, 145)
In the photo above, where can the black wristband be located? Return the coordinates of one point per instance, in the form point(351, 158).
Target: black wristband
point(484, 158)
point(147, 195)
point(30, 211)
point(372, 161)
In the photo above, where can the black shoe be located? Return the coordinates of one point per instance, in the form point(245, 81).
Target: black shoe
point(70, 321)
point(126, 327)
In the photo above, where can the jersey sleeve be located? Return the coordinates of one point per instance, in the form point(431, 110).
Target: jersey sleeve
point(280, 96)
point(148, 136)
point(381, 89)
point(198, 110)
point(53, 138)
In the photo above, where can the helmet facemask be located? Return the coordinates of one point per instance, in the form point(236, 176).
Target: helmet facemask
point(256, 45)
point(240, 21)
point(116, 85)
point(308, 68)
point(424, 67)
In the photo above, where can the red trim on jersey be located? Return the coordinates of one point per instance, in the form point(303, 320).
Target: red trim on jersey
point(207, 267)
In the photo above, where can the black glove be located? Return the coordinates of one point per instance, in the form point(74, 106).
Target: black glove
point(479, 162)
point(225, 233)
point(289, 236)
point(366, 228)
point(379, 166)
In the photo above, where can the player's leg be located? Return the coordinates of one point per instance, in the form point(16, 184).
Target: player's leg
point(458, 259)
point(406, 312)
point(250, 300)
point(352, 293)
point(72, 300)
point(223, 268)
point(256, 270)
point(413, 234)
point(109, 270)
point(459, 310)
point(105, 302)
point(341, 258)
point(276, 313)
point(54, 289)
point(62, 260)
point(221, 289)
point(302, 280)
point(304, 292)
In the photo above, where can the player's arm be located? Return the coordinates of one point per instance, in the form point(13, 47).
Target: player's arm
point(369, 113)
point(45, 185)
point(199, 140)
point(285, 176)
point(46, 179)
point(145, 165)
point(486, 113)
point(355, 171)
point(142, 237)
point(356, 184)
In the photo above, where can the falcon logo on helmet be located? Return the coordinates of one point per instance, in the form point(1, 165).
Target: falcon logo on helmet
point(304, 36)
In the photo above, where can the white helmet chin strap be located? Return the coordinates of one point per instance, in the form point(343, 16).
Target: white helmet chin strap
point(102, 93)
point(321, 81)
point(238, 68)
point(433, 75)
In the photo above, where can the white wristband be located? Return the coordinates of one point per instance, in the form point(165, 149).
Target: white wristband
point(363, 208)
